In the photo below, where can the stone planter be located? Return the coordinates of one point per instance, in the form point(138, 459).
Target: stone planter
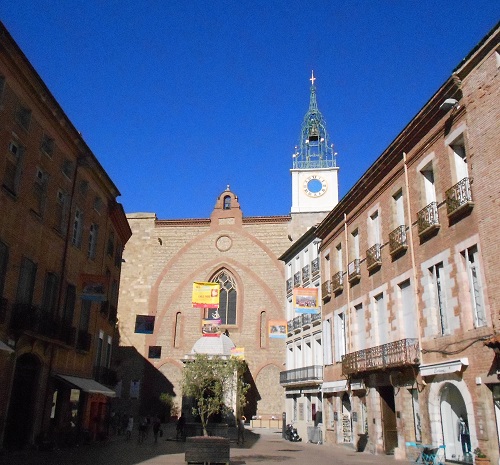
point(482, 461)
point(207, 449)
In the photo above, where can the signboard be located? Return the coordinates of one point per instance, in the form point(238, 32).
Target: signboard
point(94, 287)
point(205, 295)
point(277, 329)
point(305, 300)
point(210, 328)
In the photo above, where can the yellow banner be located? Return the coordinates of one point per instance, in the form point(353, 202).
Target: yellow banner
point(206, 295)
point(238, 352)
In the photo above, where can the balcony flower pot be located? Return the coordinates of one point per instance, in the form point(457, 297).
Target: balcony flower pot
point(207, 449)
point(481, 458)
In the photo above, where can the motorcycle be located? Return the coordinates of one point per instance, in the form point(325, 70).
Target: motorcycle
point(291, 434)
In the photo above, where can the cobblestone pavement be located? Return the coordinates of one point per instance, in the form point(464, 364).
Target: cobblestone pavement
point(262, 446)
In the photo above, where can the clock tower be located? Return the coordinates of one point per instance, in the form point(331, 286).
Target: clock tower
point(314, 171)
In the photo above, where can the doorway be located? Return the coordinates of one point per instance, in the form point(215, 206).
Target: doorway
point(389, 426)
point(20, 414)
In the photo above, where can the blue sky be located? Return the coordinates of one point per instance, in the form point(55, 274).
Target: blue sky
point(177, 99)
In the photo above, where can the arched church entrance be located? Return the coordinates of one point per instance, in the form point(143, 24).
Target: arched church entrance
point(453, 417)
point(20, 414)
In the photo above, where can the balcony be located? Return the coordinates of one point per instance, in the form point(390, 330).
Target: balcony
point(303, 321)
point(313, 373)
point(428, 220)
point(83, 341)
point(296, 279)
point(374, 257)
point(326, 291)
point(315, 317)
point(289, 286)
point(459, 199)
point(27, 317)
point(105, 376)
point(338, 282)
point(394, 354)
point(305, 274)
point(354, 271)
point(315, 267)
point(397, 240)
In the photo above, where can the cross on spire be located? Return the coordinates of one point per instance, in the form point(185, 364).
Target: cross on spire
point(312, 77)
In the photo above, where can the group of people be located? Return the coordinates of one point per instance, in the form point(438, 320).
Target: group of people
point(144, 426)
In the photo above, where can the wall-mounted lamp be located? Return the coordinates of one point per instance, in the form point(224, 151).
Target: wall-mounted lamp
point(449, 104)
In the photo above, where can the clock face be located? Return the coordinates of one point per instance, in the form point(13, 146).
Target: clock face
point(315, 186)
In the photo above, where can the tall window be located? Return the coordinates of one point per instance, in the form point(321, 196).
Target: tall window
point(69, 305)
point(61, 211)
point(4, 257)
point(355, 244)
point(177, 333)
point(26, 282)
point(13, 167)
point(399, 209)
point(374, 228)
point(436, 274)
point(98, 356)
point(77, 228)
point(381, 319)
point(408, 309)
point(360, 333)
point(40, 191)
point(108, 352)
point(227, 299)
point(471, 259)
point(339, 328)
point(429, 185)
point(227, 202)
point(340, 259)
point(327, 342)
point(85, 315)
point(49, 297)
point(460, 159)
point(263, 329)
point(92, 249)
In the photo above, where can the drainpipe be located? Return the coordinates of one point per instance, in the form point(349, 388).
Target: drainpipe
point(348, 293)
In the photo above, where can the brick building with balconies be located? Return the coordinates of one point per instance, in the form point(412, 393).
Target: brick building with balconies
point(413, 305)
point(62, 233)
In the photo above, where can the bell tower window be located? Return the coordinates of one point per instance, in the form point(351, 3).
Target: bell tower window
point(227, 202)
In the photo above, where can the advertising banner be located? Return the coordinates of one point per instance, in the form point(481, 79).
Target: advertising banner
point(277, 329)
point(238, 352)
point(94, 287)
point(206, 295)
point(305, 300)
point(210, 328)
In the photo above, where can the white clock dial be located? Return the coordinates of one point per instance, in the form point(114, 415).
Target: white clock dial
point(315, 186)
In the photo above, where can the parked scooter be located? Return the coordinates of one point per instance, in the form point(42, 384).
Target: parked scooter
point(291, 434)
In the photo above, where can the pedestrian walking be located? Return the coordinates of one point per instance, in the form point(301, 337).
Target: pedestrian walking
point(130, 427)
point(180, 428)
point(157, 428)
point(241, 430)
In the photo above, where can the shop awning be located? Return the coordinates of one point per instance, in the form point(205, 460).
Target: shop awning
point(88, 385)
point(441, 368)
point(5, 347)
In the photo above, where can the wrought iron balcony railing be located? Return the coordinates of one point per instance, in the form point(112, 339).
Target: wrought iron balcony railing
point(27, 317)
point(397, 240)
point(302, 375)
point(374, 257)
point(459, 198)
point(296, 279)
point(428, 219)
point(315, 266)
point(106, 376)
point(301, 321)
point(337, 282)
point(306, 319)
point(399, 353)
point(305, 274)
point(326, 290)
point(354, 270)
point(315, 317)
point(289, 286)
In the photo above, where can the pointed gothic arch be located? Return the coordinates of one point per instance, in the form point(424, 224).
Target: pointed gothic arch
point(228, 296)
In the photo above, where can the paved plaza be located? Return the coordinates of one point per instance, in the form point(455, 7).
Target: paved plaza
point(262, 446)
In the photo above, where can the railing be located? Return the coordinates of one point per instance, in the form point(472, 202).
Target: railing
point(394, 354)
point(428, 219)
point(301, 375)
point(326, 290)
point(83, 341)
point(302, 320)
point(27, 317)
point(397, 240)
point(105, 376)
point(305, 274)
point(296, 279)
point(289, 285)
point(459, 197)
point(337, 282)
point(373, 257)
point(354, 270)
point(315, 266)
point(306, 319)
point(315, 317)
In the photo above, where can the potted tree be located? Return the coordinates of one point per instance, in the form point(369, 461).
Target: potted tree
point(481, 457)
point(212, 382)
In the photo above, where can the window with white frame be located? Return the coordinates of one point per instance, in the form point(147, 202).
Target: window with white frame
point(100, 343)
point(340, 259)
point(76, 238)
point(399, 209)
point(327, 342)
point(40, 190)
point(359, 311)
point(13, 167)
point(108, 351)
point(339, 330)
point(92, 249)
point(318, 351)
point(436, 274)
point(460, 159)
point(355, 244)
point(429, 184)
point(381, 322)
point(408, 311)
point(471, 258)
point(374, 229)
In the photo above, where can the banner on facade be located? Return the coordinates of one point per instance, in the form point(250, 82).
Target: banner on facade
point(94, 287)
point(238, 352)
point(205, 295)
point(305, 300)
point(210, 327)
point(277, 329)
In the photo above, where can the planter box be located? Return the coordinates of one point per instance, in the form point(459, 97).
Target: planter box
point(207, 449)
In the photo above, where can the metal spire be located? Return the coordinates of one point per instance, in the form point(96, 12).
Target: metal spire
point(314, 151)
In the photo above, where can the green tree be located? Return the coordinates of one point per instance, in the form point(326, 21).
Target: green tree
point(213, 381)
